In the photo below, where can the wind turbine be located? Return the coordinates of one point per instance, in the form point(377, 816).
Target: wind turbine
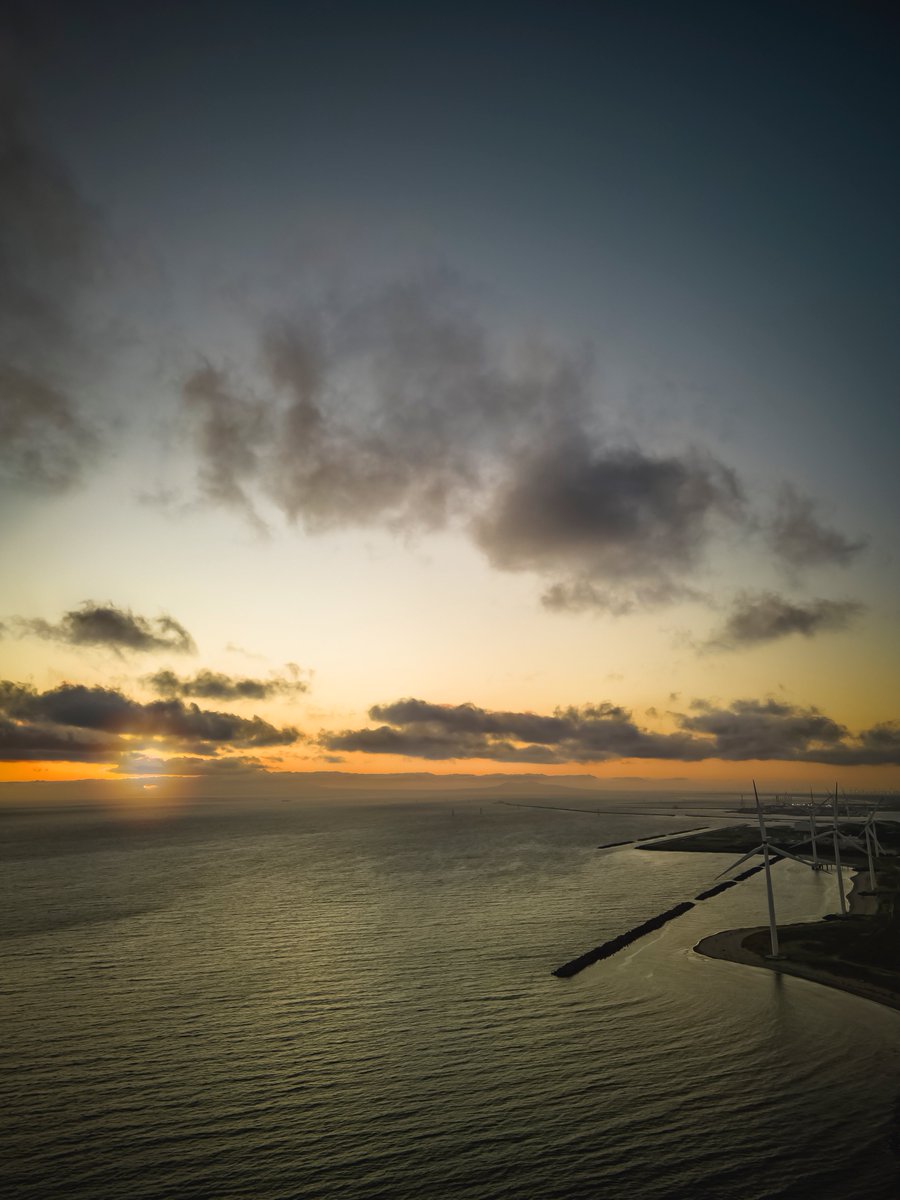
point(764, 848)
point(836, 838)
point(836, 846)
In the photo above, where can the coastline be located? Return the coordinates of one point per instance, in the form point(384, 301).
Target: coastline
point(731, 946)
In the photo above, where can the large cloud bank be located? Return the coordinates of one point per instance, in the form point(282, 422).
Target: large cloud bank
point(742, 731)
point(76, 723)
point(400, 408)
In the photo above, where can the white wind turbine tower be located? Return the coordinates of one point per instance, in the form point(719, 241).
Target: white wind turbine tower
point(872, 841)
point(870, 833)
point(873, 822)
point(816, 865)
point(836, 839)
point(764, 847)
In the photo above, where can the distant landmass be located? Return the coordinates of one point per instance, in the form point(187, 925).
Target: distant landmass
point(288, 785)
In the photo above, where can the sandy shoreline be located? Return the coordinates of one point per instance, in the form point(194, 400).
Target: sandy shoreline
point(729, 946)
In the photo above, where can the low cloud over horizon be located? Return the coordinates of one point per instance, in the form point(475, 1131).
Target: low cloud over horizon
point(76, 723)
point(190, 765)
point(215, 685)
point(744, 730)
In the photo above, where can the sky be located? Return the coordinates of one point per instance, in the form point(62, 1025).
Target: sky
point(456, 388)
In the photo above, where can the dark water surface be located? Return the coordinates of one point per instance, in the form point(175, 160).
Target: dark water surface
point(356, 1002)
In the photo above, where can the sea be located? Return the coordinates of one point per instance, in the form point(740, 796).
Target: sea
point(354, 999)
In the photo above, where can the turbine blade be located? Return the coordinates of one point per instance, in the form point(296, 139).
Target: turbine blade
point(847, 840)
point(787, 854)
point(749, 854)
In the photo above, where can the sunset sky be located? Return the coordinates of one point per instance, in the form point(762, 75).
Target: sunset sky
point(480, 388)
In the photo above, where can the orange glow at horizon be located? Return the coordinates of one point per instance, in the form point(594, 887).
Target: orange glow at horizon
point(710, 773)
point(53, 772)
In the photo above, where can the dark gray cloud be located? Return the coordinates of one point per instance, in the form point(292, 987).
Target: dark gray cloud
point(878, 744)
point(762, 617)
point(621, 527)
point(593, 733)
point(118, 629)
point(231, 432)
point(381, 409)
point(400, 403)
point(743, 731)
point(615, 512)
point(400, 409)
point(144, 764)
point(44, 442)
point(580, 595)
point(800, 539)
point(763, 729)
point(36, 742)
point(58, 713)
point(771, 729)
point(435, 744)
point(49, 248)
point(214, 685)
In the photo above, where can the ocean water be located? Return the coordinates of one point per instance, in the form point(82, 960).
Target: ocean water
point(355, 1001)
